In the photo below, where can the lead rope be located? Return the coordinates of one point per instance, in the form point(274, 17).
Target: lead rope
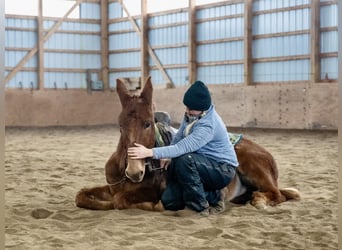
point(118, 182)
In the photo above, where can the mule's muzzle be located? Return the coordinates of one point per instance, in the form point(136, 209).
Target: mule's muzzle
point(136, 177)
point(135, 170)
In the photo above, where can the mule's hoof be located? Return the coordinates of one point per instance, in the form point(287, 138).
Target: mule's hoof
point(159, 207)
point(259, 205)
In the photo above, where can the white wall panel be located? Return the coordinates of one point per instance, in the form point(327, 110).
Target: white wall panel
point(220, 51)
point(125, 60)
point(329, 66)
point(221, 74)
point(281, 46)
point(295, 70)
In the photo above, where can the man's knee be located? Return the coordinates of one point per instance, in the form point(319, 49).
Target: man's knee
point(184, 165)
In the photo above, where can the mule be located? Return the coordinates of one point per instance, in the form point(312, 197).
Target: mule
point(132, 185)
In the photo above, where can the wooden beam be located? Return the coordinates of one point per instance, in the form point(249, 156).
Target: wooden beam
point(144, 42)
point(34, 50)
point(248, 38)
point(315, 42)
point(192, 69)
point(40, 46)
point(154, 57)
point(104, 44)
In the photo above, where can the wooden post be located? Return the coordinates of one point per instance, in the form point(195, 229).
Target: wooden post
point(40, 46)
point(153, 55)
point(315, 42)
point(144, 42)
point(248, 71)
point(192, 68)
point(104, 44)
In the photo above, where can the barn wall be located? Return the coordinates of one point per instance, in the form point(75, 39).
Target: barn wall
point(60, 108)
point(285, 106)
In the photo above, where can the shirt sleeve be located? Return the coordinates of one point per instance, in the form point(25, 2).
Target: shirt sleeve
point(200, 136)
point(179, 135)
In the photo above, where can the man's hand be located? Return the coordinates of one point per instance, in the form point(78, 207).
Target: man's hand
point(164, 163)
point(139, 152)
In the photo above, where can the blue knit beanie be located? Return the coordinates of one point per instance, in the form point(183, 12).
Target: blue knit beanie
point(197, 97)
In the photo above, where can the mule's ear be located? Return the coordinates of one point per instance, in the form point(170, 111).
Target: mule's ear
point(122, 91)
point(147, 91)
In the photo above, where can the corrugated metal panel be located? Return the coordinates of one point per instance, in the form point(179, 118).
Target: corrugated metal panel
point(75, 26)
point(329, 66)
point(172, 55)
point(47, 24)
point(125, 60)
point(221, 74)
point(286, 21)
point(114, 10)
point(23, 79)
point(157, 77)
point(23, 23)
point(219, 29)
point(119, 26)
point(220, 51)
point(295, 70)
point(231, 9)
point(124, 41)
point(260, 5)
point(168, 19)
point(281, 46)
point(72, 61)
point(90, 10)
point(74, 42)
point(329, 41)
point(329, 16)
point(168, 36)
point(65, 80)
point(179, 76)
point(21, 39)
point(12, 58)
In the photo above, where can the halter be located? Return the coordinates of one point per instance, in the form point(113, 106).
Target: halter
point(160, 141)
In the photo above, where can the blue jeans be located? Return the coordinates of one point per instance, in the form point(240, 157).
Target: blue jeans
point(195, 181)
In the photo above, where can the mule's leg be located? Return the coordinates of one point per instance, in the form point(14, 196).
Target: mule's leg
point(262, 199)
point(149, 206)
point(141, 198)
point(268, 193)
point(258, 170)
point(97, 198)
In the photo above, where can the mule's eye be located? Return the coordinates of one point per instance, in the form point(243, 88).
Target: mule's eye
point(147, 125)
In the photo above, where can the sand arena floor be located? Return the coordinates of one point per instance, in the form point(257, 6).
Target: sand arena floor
point(44, 169)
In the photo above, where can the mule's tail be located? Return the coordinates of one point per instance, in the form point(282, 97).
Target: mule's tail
point(290, 193)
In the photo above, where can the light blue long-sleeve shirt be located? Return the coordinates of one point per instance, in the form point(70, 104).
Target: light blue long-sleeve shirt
point(208, 136)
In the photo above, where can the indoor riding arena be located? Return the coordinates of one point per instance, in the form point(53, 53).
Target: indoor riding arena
point(272, 70)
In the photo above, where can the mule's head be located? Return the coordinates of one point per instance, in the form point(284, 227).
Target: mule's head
point(136, 122)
